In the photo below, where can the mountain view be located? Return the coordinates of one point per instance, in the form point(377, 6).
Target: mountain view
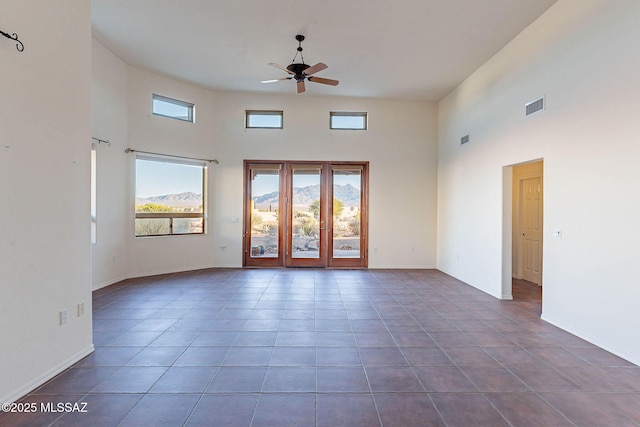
point(348, 194)
point(181, 200)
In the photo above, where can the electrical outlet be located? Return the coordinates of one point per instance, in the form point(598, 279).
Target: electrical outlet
point(80, 309)
point(63, 317)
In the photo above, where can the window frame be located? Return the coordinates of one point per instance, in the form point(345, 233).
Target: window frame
point(191, 117)
point(94, 194)
point(248, 113)
point(174, 215)
point(361, 114)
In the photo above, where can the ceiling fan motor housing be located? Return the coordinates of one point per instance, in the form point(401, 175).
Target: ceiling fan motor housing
point(298, 70)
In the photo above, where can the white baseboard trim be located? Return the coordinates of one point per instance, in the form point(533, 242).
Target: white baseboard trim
point(108, 283)
point(401, 267)
point(507, 297)
point(595, 341)
point(41, 379)
point(170, 271)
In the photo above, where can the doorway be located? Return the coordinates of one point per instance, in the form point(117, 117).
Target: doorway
point(305, 214)
point(528, 221)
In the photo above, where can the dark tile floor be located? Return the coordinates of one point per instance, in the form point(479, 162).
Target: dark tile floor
point(311, 347)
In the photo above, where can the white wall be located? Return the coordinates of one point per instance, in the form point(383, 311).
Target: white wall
point(400, 145)
point(45, 263)
point(147, 132)
point(109, 113)
point(582, 55)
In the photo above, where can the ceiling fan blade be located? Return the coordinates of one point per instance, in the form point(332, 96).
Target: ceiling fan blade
point(323, 81)
point(301, 87)
point(276, 80)
point(315, 68)
point(273, 64)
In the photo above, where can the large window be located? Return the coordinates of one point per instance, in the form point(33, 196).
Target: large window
point(170, 197)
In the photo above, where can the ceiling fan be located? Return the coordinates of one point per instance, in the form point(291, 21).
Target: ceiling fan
point(301, 71)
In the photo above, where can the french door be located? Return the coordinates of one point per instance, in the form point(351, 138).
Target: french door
point(305, 214)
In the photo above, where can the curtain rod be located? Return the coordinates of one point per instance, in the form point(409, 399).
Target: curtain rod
point(14, 37)
point(131, 150)
point(106, 141)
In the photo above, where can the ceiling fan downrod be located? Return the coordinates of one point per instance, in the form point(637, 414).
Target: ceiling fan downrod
point(300, 39)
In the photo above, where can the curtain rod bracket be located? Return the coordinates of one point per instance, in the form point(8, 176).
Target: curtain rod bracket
point(106, 141)
point(131, 150)
point(14, 37)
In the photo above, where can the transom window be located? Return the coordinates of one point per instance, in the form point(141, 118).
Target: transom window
point(348, 120)
point(263, 119)
point(173, 108)
point(170, 197)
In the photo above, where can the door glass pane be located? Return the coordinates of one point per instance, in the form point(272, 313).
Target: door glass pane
point(305, 213)
point(265, 193)
point(346, 212)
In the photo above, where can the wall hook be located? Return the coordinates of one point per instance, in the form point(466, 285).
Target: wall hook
point(14, 37)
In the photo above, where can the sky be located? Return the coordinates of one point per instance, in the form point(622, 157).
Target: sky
point(160, 178)
point(265, 184)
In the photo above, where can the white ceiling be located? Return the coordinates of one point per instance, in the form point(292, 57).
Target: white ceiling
point(401, 49)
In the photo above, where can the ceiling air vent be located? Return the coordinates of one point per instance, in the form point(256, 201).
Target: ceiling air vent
point(464, 139)
point(534, 106)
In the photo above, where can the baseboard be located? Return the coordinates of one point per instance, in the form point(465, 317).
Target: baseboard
point(603, 345)
point(507, 297)
point(108, 283)
point(37, 382)
point(170, 271)
point(401, 267)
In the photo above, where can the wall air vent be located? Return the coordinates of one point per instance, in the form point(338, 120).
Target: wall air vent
point(464, 139)
point(534, 106)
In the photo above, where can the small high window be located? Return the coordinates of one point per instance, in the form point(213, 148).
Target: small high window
point(173, 108)
point(348, 120)
point(263, 119)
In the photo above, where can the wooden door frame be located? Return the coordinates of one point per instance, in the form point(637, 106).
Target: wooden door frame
point(322, 259)
point(247, 260)
point(364, 221)
point(285, 211)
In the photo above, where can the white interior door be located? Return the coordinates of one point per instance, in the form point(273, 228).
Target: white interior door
point(531, 211)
